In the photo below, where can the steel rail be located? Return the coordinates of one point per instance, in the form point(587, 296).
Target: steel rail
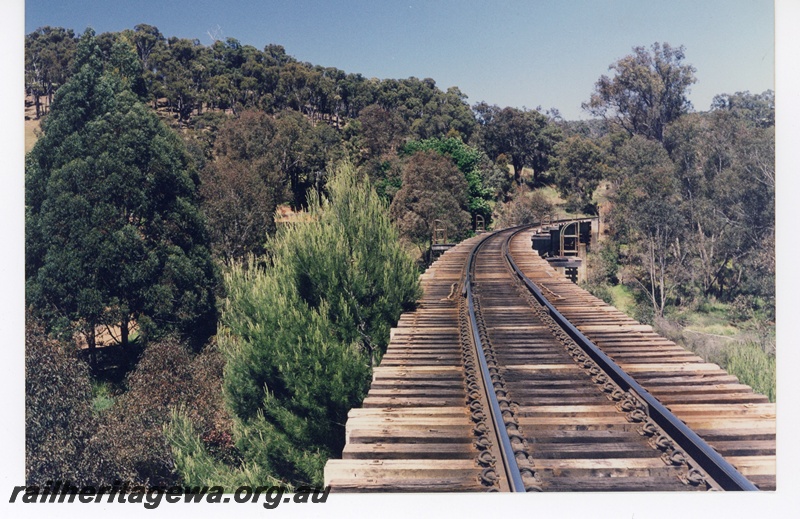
point(510, 467)
point(693, 445)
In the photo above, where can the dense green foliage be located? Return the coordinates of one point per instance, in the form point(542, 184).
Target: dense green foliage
point(579, 169)
point(691, 213)
point(468, 160)
point(525, 207)
point(114, 236)
point(318, 115)
point(301, 332)
point(696, 214)
point(189, 78)
point(242, 186)
point(526, 137)
point(691, 206)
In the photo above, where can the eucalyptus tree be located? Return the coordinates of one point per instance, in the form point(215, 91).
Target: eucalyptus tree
point(382, 131)
point(725, 162)
point(48, 57)
point(580, 166)
point(525, 137)
point(242, 186)
point(182, 70)
point(433, 188)
point(647, 216)
point(471, 162)
point(648, 91)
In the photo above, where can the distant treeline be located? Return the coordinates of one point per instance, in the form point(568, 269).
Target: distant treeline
point(263, 129)
point(189, 78)
point(273, 126)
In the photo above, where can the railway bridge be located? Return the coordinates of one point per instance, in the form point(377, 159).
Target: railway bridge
point(509, 377)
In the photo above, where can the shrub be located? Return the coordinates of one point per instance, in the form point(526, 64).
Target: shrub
point(752, 366)
point(601, 291)
point(130, 444)
point(59, 421)
point(525, 207)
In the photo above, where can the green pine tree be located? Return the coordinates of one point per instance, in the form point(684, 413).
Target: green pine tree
point(113, 233)
point(300, 335)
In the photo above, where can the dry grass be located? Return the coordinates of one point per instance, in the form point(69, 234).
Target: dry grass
point(31, 134)
point(285, 215)
point(32, 124)
point(746, 354)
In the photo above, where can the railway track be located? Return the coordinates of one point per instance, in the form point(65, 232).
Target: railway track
point(483, 388)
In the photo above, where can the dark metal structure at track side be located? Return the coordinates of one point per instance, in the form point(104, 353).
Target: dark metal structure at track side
point(509, 377)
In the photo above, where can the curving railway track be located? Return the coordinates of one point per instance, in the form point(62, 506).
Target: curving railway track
point(508, 377)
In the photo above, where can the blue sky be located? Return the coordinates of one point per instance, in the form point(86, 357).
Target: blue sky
point(546, 53)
